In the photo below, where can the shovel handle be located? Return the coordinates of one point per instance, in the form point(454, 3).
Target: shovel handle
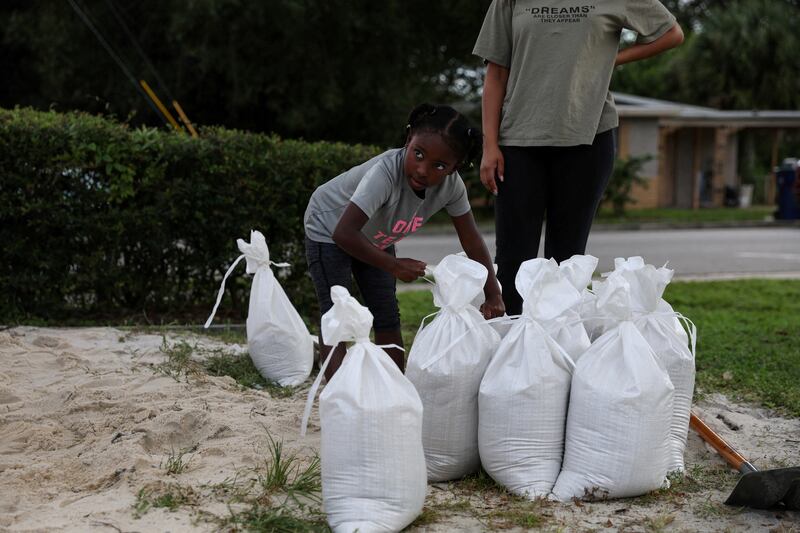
point(731, 456)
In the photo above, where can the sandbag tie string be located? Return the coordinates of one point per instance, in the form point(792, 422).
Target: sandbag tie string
point(443, 352)
point(222, 286)
point(687, 323)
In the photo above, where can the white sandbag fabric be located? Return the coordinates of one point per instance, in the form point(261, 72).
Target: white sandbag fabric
point(568, 329)
point(592, 322)
point(277, 338)
point(373, 466)
point(525, 391)
point(446, 364)
point(661, 327)
point(620, 410)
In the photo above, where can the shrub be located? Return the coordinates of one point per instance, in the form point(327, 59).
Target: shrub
point(623, 178)
point(99, 221)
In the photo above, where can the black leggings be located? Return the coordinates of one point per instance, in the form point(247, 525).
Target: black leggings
point(565, 184)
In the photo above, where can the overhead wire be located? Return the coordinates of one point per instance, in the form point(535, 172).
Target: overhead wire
point(121, 20)
point(82, 12)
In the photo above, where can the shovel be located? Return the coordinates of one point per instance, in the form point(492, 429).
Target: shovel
point(759, 489)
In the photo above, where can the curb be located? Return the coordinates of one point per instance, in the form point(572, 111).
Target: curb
point(444, 229)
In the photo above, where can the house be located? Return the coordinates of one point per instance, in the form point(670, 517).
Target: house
point(694, 149)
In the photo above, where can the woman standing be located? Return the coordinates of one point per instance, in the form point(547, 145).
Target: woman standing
point(548, 116)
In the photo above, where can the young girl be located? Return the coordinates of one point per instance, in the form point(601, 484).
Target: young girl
point(353, 221)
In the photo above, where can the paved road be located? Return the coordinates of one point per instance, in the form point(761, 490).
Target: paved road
point(734, 252)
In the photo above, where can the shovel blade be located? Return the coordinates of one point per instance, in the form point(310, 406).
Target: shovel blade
point(765, 489)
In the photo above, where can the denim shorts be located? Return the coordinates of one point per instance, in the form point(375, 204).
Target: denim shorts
point(329, 265)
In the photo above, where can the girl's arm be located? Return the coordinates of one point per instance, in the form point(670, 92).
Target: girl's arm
point(475, 247)
point(671, 39)
point(494, 91)
point(349, 238)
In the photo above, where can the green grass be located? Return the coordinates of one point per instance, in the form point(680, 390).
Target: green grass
point(179, 364)
point(748, 336)
point(170, 497)
point(241, 368)
point(176, 462)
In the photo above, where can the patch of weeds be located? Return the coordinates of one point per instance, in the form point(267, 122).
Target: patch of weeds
point(175, 463)
point(169, 497)
point(244, 372)
point(710, 509)
point(658, 523)
point(508, 518)
point(460, 506)
point(288, 496)
point(179, 361)
point(231, 334)
point(281, 519)
point(286, 473)
point(427, 517)
point(679, 485)
point(231, 490)
point(710, 477)
point(479, 483)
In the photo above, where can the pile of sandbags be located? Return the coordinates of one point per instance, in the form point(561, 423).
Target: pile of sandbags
point(551, 410)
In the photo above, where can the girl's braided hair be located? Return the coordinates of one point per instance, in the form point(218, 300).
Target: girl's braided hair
point(456, 131)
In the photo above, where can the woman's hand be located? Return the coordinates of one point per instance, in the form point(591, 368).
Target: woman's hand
point(492, 167)
point(408, 269)
point(493, 307)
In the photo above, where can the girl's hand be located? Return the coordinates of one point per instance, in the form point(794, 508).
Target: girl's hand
point(493, 307)
point(408, 269)
point(492, 166)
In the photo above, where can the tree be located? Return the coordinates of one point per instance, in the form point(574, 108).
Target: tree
point(745, 57)
point(338, 70)
point(739, 54)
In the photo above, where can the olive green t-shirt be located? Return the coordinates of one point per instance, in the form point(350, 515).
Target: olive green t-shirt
point(560, 55)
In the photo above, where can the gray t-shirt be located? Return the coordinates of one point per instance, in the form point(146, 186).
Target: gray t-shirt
point(379, 188)
point(561, 54)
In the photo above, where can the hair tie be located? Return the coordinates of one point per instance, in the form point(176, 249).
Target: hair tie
point(408, 126)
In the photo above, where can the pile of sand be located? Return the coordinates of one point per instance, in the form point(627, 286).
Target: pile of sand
point(86, 423)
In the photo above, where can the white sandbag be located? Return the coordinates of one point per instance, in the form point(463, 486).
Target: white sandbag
point(277, 338)
point(446, 364)
point(500, 326)
point(373, 466)
point(524, 393)
point(568, 330)
point(617, 439)
point(661, 327)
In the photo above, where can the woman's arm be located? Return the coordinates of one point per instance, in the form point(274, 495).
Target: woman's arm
point(475, 247)
point(494, 91)
point(349, 238)
point(671, 39)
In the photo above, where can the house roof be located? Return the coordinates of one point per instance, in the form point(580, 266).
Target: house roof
point(677, 114)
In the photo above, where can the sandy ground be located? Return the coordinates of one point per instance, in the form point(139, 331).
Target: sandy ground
point(86, 423)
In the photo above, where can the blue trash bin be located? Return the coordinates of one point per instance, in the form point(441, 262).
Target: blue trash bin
point(787, 202)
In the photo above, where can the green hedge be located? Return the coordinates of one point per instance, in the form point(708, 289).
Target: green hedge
point(102, 222)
